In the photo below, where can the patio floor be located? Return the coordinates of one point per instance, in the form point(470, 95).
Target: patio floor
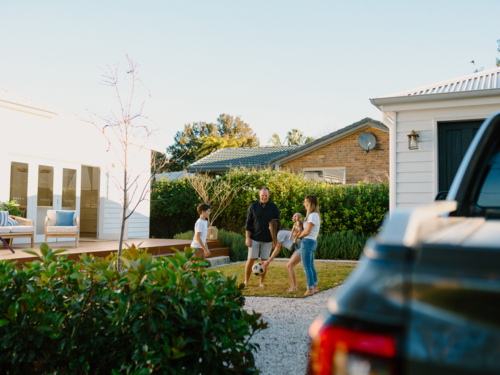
point(102, 248)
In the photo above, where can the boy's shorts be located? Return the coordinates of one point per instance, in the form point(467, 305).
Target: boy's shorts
point(199, 253)
point(260, 250)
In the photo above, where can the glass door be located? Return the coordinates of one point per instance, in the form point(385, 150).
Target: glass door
point(57, 189)
point(45, 197)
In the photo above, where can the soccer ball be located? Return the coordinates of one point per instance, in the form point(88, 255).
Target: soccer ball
point(257, 269)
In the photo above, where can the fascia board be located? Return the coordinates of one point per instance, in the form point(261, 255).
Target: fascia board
point(493, 100)
point(326, 142)
point(410, 99)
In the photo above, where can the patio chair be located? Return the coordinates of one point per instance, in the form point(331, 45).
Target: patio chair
point(52, 229)
point(25, 229)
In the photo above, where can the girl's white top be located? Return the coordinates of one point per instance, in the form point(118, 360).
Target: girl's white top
point(201, 227)
point(313, 218)
point(284, 237)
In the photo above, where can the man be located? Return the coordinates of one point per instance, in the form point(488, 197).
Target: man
point(258, 236)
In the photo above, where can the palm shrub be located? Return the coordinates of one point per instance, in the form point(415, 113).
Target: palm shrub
point(158, 315)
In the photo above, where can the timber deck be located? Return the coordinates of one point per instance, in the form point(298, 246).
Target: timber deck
point(102, 248)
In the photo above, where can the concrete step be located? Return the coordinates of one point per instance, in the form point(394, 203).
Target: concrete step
point(217, 261)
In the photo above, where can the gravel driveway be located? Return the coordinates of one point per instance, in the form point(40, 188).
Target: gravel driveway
point(285, 344)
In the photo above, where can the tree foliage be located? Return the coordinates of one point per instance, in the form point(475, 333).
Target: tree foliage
point(359, 208)
point(200, 138)
point(293, 138)
point(158, 316)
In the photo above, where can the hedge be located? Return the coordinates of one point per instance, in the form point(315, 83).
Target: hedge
point(339, 245)
point(159, 315)
point(359, 208)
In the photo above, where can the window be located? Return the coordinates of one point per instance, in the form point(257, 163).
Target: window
point(330, 175)
point(19, 185)
point(489, 195)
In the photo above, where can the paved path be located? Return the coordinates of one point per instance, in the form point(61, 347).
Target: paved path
point(285, 344)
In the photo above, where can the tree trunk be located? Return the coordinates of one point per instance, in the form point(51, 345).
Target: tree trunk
point(124, 215)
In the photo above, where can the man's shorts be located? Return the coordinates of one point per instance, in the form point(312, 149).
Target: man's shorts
point(260, 250)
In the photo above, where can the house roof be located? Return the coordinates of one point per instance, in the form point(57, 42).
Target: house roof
point(481, 84)
point(225, 158)
point(327, 139)
point(19, 102)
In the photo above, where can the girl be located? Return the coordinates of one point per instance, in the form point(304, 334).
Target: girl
point(281, 237)
point(308, 243)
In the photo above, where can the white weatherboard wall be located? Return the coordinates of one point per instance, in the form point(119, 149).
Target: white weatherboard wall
point(35, 133)
point(414, 173)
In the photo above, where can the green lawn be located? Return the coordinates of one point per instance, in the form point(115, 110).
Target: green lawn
point(277, 281)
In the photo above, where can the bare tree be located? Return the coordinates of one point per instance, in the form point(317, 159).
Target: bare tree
point(216, 192)
point(127, 134)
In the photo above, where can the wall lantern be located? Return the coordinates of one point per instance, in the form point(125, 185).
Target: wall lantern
point(413, 140)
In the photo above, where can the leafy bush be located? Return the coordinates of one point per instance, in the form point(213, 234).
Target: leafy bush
point(360, 208)
point(11, 207)
point(338, 245)
point(159, 315)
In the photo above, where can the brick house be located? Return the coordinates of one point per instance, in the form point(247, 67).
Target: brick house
point(335, 158)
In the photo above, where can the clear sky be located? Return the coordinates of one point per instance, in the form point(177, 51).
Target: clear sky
point(310, 65)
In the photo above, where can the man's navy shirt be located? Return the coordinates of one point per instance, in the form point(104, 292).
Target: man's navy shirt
point(258, 219)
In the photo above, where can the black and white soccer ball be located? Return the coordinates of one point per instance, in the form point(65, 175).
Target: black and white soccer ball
point(257, 269)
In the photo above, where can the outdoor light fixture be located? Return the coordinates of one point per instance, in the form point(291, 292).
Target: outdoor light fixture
point(412, 140)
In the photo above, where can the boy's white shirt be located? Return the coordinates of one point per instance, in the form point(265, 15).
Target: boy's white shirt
point(201, 227)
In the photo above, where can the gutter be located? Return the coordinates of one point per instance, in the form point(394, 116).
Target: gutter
point(379, 102)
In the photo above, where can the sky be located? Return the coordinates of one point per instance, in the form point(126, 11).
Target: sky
point(279, 65)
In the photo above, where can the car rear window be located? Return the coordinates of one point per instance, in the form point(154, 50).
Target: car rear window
point(489, 195)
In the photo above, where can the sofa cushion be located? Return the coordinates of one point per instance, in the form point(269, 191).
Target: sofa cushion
point(4, 218)
point(22, 229)
point(65, 218)
point(52, 216)
point(4, 230)
point(12, 222)
point(61, 229)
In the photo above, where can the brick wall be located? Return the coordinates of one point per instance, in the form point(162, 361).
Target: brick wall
point(359, 165)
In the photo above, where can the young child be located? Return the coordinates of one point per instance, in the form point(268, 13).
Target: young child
point(298, 226)
point(200, 232)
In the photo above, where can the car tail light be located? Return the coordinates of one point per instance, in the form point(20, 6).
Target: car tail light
point(343, 351)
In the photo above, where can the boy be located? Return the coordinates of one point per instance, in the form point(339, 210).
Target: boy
point(200, 232)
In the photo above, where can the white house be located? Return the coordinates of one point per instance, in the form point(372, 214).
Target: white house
point(446, 116)
point(50, 160)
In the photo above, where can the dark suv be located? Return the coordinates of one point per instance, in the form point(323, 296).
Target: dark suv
point(426, 297)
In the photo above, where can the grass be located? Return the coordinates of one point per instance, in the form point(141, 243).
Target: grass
point(277, 281)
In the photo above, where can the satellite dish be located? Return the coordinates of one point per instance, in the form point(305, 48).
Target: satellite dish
point(367, 141)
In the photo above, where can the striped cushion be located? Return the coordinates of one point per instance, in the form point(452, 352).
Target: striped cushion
point(4, 218)
point(12, 222)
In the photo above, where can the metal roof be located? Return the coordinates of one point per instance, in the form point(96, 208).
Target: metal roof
point(225, 158)
point(485, 80)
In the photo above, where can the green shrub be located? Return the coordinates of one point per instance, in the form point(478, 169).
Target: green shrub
point(189, 235)
point(159, 315)
point(239, 250)
point(360, 208)
point(338, 245)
